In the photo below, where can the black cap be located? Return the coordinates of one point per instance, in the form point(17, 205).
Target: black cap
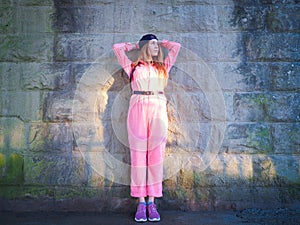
point(145, 39)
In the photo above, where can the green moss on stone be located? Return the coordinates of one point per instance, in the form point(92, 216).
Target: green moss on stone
point(2, 161)
point(26, 192)
point(14, 166)
point(36, 3)
point(264, 143)
point(260, 99)
point(11, 169)
point(180, 193)
point(36, 170)
point(78, 192)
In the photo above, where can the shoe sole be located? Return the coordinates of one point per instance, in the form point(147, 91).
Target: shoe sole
point(140, 220)
point(154, 219)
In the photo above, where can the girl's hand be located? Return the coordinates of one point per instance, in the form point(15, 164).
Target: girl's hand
point(135, 46)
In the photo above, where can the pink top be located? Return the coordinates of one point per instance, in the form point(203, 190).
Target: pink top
point(146, 76)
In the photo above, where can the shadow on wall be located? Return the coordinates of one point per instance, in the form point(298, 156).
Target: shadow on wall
point(266, 50)
point(252, 174)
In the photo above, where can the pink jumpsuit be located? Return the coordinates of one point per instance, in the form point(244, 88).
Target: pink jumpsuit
point(147, 121)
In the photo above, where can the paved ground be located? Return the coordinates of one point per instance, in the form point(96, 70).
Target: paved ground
point(246, 217)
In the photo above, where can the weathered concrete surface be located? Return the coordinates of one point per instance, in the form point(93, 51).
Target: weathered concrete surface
point(64, 99)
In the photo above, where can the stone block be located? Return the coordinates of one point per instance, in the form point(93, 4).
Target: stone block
point(214, 47)
point(79, 70)
point(23, 105)
point(273, 2)
point(286, 138)
point(81, 47)
point(192, 76)
point(226, 170)
point(250, 107)
point(99, 107)
point(50, 137)
point(120, 18)
point(10, 77)
point(181, 81)
point(5, 3)
point(35, 2)
point(224, 47)
point(256, 170)
point(248, 138)
point(266, 107)
point(186, 199)
point(104, 75)
point(58, 106)
point(161, 2)
point(26, 48)
point(45, 76)
point(183, 18)
point(77, 193)
point(200, 108)
point(11, 167)
point(105, 169)
point(12, 134)
point(115, 144)
point(284, 107)
point(272, 47)
point(201, 2)
point(233, 77)
point(91, 136)
point(34, 19)
point(100, 72)
point(275, 170)
point(177, 103)
point(85, 2)
point(241, 17)
point(188, 135)
point(94, 199)
point(220, 198)
point(283, 18)
point(54, 169)
point(7, 19)
point(284, 76)
point(26, 193)
point(255, 77)
point(228, 96)
point(96, 19)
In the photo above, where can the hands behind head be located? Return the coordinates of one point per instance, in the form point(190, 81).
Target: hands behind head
point(136, 45)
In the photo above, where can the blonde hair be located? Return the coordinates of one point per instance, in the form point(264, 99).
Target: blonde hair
point(156, 61)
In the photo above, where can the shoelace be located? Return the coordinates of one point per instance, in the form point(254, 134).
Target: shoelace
point(141, 208)
point(153, 208)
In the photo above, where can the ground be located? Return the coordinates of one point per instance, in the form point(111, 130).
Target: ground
point(249, 216)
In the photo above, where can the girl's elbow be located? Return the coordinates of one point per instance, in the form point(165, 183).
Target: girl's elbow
point(115, 46)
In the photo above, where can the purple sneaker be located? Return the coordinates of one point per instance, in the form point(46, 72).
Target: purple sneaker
point(140, 215)
point(153, 215)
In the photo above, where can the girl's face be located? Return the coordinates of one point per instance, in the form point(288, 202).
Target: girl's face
point(153, 47)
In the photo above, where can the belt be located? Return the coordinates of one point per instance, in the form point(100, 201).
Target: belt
point(148, 92)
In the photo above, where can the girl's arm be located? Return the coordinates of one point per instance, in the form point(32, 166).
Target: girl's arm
point(173, 48)
point(120, 52)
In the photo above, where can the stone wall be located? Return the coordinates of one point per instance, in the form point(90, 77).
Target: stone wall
point(233, 103)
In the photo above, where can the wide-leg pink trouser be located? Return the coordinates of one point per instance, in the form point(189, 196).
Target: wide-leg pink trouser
point(147, 125)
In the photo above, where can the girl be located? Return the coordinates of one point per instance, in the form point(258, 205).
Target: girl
point(147, 120)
